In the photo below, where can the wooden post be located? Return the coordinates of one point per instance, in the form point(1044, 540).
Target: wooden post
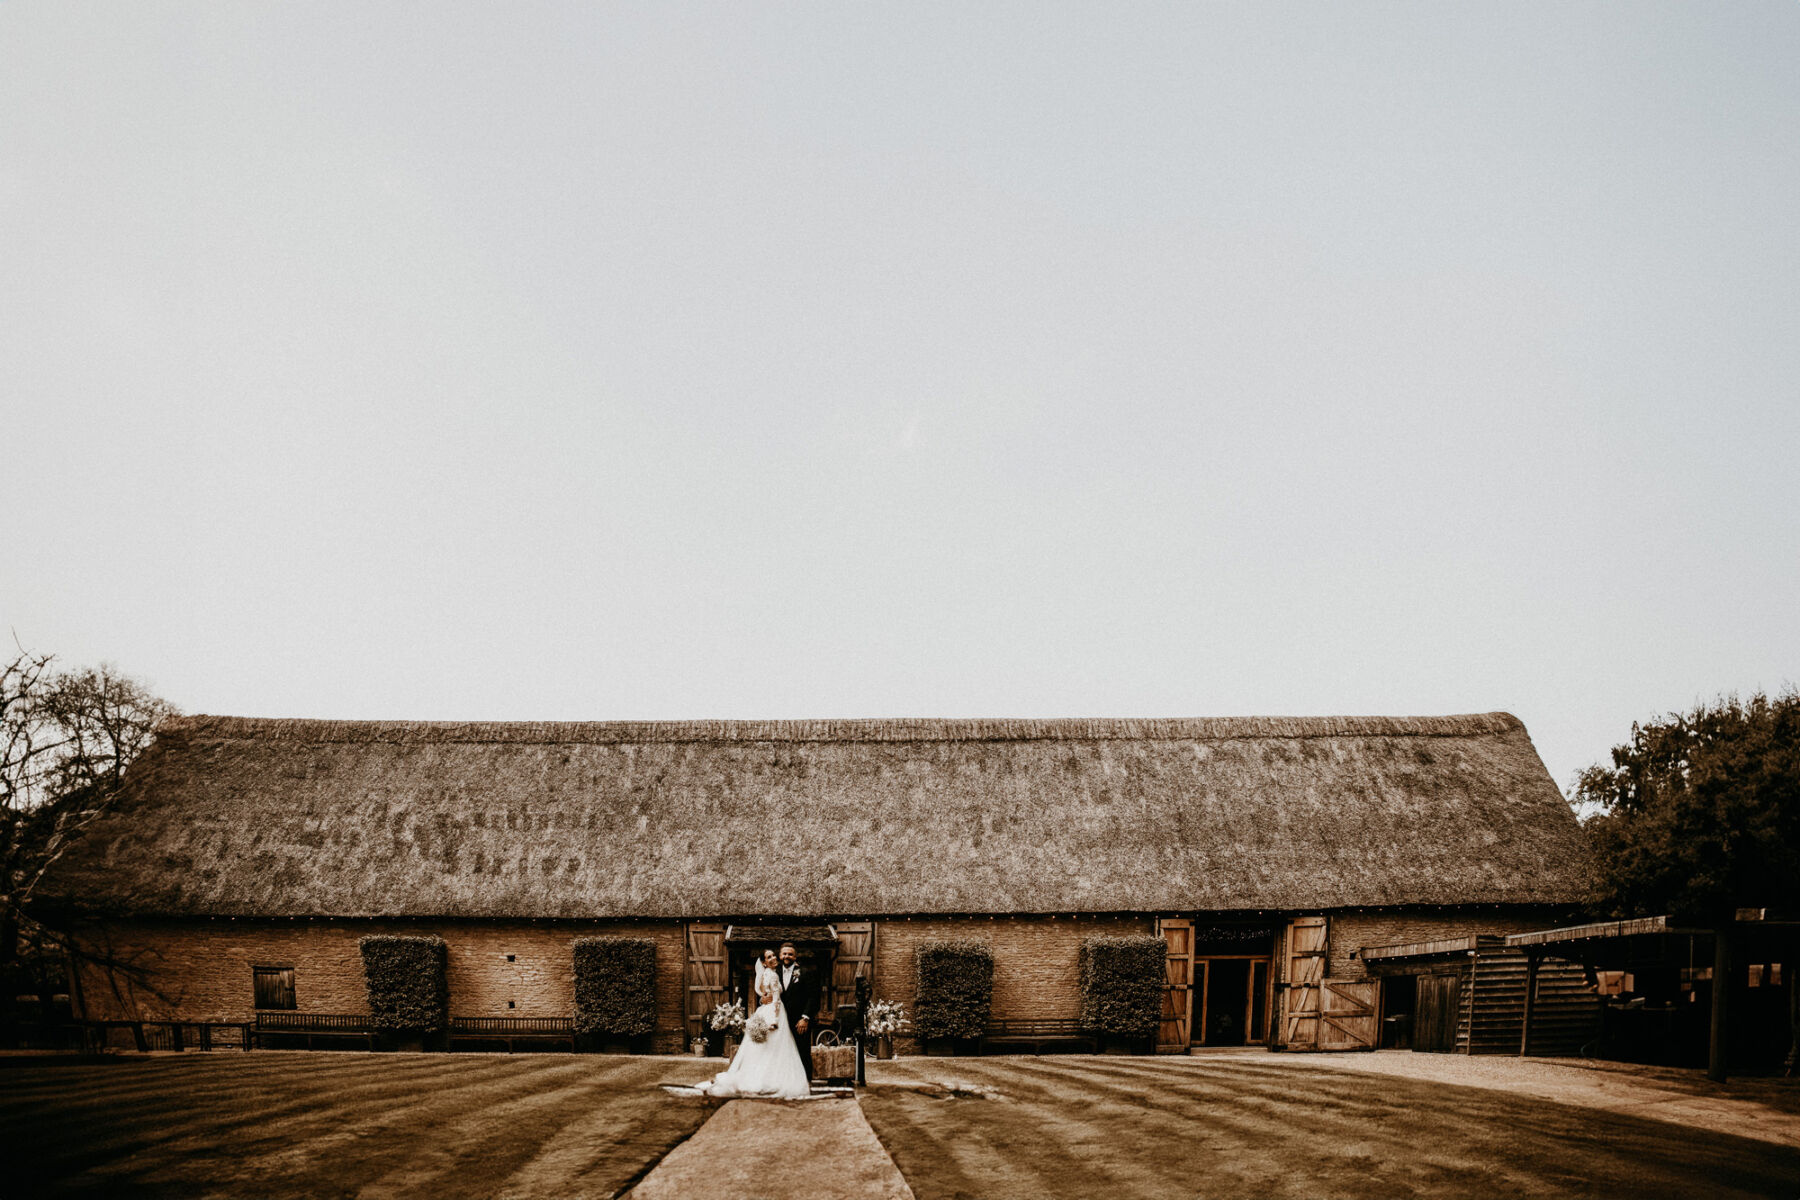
point(1788, 966)
point(1716, 1067)
point(1531, 975)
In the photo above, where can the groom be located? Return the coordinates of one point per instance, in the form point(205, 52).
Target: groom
point(800, 999)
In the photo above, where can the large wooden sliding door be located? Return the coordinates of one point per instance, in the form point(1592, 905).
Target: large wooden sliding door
point(1175, 1032)
point(855, 956)
point(1437, 1013)
point(1305, 973)
point(707, 982)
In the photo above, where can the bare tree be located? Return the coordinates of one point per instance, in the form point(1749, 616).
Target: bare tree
point(66, 738)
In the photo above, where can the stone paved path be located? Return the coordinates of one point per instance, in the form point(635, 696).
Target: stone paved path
point(771, 1150)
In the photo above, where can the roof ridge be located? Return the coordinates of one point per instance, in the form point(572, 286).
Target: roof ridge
point(880, 729)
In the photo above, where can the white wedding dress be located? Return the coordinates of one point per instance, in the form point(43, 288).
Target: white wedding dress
point(770, 1067)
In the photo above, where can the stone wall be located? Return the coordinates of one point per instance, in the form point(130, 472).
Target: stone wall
point(1035, 959)
point(201, 970)
point(1349, 933)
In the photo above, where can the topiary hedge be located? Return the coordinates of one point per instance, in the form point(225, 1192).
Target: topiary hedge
point(956, 989)
point(409, 983)
point(615, 986)
point(1122, 982)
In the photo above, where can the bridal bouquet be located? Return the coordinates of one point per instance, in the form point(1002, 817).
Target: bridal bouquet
point(885, 1018)
point(728, 1018)
point(760, 1027)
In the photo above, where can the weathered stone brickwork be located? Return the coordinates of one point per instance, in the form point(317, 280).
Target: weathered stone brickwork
point(1035, 959)
point(1350, 932)
point(201, 970)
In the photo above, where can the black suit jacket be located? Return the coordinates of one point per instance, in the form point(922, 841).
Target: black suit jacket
point(801, 997)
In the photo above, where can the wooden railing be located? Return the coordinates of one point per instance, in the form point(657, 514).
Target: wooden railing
point(168, 1035)
point(285, 1027)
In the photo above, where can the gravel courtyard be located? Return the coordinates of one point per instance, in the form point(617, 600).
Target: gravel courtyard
point(281, 1124)
point(1268, 1125)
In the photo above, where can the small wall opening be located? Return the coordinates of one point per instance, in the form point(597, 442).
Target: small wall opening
point(1399, 1000)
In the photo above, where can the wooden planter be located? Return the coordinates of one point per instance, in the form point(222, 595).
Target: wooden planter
point(884, 1046)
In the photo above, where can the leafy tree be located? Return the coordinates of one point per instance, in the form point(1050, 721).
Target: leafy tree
point(1699, 813)
point(66, 738)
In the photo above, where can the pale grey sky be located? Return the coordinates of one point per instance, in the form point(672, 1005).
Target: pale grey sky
point(588, 361)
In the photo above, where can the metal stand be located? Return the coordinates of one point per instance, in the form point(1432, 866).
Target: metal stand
point(862, 1026)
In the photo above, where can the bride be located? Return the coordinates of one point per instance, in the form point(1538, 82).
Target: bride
point(771, 1066)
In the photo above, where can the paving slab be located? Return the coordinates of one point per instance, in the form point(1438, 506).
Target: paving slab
point(821, 1149)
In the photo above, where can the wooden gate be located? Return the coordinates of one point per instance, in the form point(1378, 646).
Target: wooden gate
point(855, 956)
point(1175, 1032)
point(1437, 1011)
point(707, 983)
point(1347, 1017)
point(1305, 973)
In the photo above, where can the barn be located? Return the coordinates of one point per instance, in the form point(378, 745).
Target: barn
point(1305, 871)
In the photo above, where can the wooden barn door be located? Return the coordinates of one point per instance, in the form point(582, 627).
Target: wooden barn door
point(1347, 1016)
point(1305, 973)
point(1436, 1013)
point(708, 981)
point(855, 956)
point(1176, 1030)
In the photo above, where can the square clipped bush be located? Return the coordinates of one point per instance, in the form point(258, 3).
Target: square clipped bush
point(956, 989)
point(615, 986)
point(1122, 982)
point(409, 983)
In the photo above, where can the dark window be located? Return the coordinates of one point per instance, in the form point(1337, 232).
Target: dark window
point(274, 986)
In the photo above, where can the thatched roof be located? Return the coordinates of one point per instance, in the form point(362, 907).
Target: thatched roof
point(235, 816)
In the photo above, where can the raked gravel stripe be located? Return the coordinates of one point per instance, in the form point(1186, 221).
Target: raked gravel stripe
point(1760, 1108)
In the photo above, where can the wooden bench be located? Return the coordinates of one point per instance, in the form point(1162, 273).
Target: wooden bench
point(311, 1026)
point(1037, 1035)
point(511, 1029)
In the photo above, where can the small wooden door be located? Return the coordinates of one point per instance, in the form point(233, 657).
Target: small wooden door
point(274, 986)
point(855, 956)
point(1347, 1016)
point(1437, 1012)
point(1175, 1031)
point(707, 975)
point(1305, 973)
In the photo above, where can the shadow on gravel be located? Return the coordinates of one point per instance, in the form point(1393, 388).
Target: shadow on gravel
point(281, 1124)
point(1123, 1128)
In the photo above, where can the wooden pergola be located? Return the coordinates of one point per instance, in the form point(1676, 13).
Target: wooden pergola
point(1603, 945)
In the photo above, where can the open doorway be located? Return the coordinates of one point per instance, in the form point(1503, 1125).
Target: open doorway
point(814, 946)
point(1399, 1000)
point(1227, 1007)
point(1232, 1000)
